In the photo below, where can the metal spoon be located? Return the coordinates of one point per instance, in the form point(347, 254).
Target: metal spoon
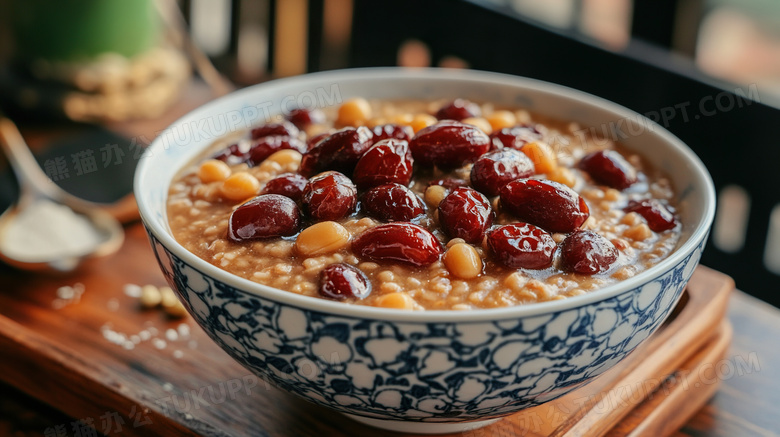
point(48, 228)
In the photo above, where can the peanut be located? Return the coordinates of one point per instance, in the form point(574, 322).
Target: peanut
point(376, 121)
point(269, 167)
point(455, 241)
point(542, 156)
point(434, 195)
point(286, 158)
point(168, 297)
point(401, 119)
point(463, 261)
point(564, 176)
point(150, 296)
point(421, 121)
point(240, 186)
point(354, 112)
point(501, 119)
point(400, 301)
point(213, 170)
point(322, 238)
point(479, 123)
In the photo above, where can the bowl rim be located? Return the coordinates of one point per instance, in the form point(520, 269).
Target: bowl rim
point(315, 304)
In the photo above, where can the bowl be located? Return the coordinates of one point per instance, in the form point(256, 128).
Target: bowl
point(426, 371)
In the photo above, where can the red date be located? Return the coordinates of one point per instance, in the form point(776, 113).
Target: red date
point(340, 151)
point(465, 213)
point(302, 118)
point(587, 253)
point(401, 242)
point(267, 146)
point(449, 183)
point(458, 110)
point(494, 170)
point(309, 160)
point(608, 167)
point(288, 184)
point(658, 216)
point(515, 137)
point(449, 144)
point(521, 246)
point(231, 155)
point(392, 131)
point(393, 203)
point(283, 129)
point(308, 165)
point(342, 281)
point(265, 216)
point(385, 162)
point(313, 141)
point(547, 204)
point(329, 196)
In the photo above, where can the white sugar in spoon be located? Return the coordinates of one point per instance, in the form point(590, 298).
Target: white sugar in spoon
point(48, 228)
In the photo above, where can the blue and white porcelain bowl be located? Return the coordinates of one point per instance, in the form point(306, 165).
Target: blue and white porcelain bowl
point(426, 371)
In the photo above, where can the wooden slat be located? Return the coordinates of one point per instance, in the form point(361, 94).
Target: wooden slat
point(290, 37)
point(669, 407)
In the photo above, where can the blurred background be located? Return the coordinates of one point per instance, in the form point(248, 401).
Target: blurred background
point(106, 72)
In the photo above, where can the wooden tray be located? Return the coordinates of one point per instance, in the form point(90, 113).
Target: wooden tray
point(83, 357)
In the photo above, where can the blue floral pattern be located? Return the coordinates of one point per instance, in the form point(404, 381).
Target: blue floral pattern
point(429, 372)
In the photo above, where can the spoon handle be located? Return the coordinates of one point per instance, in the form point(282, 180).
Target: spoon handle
point(26, 168)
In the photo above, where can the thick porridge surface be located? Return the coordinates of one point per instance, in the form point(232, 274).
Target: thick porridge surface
point(436, 205)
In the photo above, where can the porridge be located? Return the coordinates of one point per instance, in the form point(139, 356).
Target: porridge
point(424, 205)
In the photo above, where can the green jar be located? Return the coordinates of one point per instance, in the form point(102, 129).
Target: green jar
point(79, 30)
